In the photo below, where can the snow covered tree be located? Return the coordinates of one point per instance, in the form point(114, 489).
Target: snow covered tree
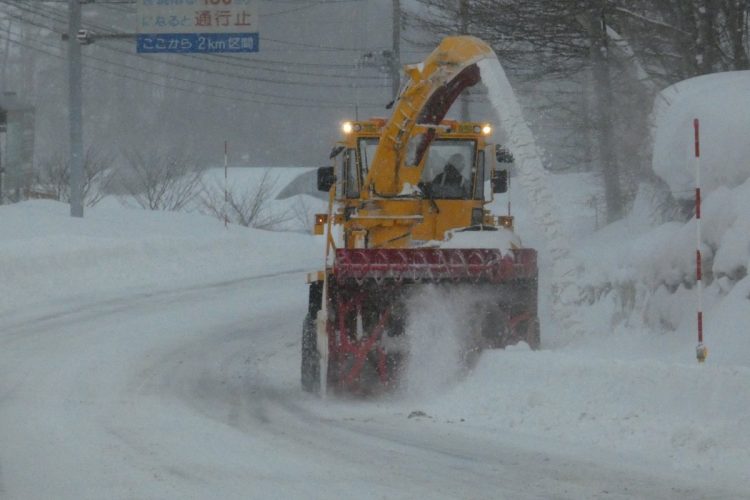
point(680, 39)
point(566, 45)
point(581, 64)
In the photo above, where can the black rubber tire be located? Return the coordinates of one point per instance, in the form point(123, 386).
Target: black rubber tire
point(310, 366)
point(533, 335)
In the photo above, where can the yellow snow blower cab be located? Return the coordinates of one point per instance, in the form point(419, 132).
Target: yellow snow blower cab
point(404, 193)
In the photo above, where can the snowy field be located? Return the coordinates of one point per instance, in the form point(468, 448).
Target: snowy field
point(156, 355)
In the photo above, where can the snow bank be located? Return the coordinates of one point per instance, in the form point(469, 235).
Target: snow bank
point(641, 276)
point(47, 255)
point(720, 101)
point(688, 416)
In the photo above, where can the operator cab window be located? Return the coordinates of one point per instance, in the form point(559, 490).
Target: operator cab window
point(367, 149)
point(357, 165)
point(450, 169)
point(351, 179)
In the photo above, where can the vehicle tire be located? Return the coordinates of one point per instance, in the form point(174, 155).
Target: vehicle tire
point(310, 363)
point(310, 366)
point(533, 334)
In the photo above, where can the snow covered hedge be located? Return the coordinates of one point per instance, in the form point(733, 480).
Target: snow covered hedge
point(720, 101)
point(643, 274)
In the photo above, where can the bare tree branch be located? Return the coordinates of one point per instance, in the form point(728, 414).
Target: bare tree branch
point(158, 180)
point(53, 176)
point(249, 207)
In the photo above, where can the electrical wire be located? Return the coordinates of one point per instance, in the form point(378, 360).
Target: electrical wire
point(242, 77)
point(60, 17)
point(306, 104)
point(285, 100)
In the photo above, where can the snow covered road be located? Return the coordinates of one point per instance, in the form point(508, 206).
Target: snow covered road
point(192, 392)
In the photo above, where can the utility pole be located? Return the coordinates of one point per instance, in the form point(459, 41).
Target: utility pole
point(605, 106)
point(2, 176)
point(396, 50)
point(75, 114)
point(463, 19)
point(6, 54)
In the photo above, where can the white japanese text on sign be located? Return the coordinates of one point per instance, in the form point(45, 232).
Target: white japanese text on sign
point(197, 26)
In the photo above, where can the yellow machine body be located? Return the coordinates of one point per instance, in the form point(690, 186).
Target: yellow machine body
point(382, 163)
point(399, 188)
point(408, 218)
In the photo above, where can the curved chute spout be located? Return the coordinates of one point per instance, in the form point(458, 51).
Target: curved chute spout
point(443, 98)
point(430, 92)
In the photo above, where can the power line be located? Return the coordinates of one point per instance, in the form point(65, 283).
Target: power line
point(59, 17)
point(133, 2)
point(317, 47)
point(278, 100)
point(99, 2)
point(243, 77)
point(306, 104)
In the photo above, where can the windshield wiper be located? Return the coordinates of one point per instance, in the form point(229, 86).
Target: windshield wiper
point(426, 190)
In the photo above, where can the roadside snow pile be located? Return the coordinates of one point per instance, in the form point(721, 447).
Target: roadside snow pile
point(639, 275)
point(648, 279)
point(48, 255)
point(685, 416)
point(720, 101)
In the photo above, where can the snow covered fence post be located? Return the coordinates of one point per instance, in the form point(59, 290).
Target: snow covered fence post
point(701, 351)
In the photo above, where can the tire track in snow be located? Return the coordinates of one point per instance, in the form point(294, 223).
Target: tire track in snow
point(69, 315)
point(90, 365)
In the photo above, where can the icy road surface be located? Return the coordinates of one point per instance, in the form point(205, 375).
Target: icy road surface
point(192, 392)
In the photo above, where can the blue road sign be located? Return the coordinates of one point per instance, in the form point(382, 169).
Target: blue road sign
point(197, 42)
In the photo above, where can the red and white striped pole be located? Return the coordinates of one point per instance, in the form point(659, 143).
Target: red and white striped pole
point(701, 352)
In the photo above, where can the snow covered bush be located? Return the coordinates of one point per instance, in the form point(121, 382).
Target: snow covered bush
point(246, 205)
point(644, 272)
point(274, 198)
point(52, 176)
point(161, 179)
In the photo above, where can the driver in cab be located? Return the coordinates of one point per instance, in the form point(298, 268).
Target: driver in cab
point(451, 183)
